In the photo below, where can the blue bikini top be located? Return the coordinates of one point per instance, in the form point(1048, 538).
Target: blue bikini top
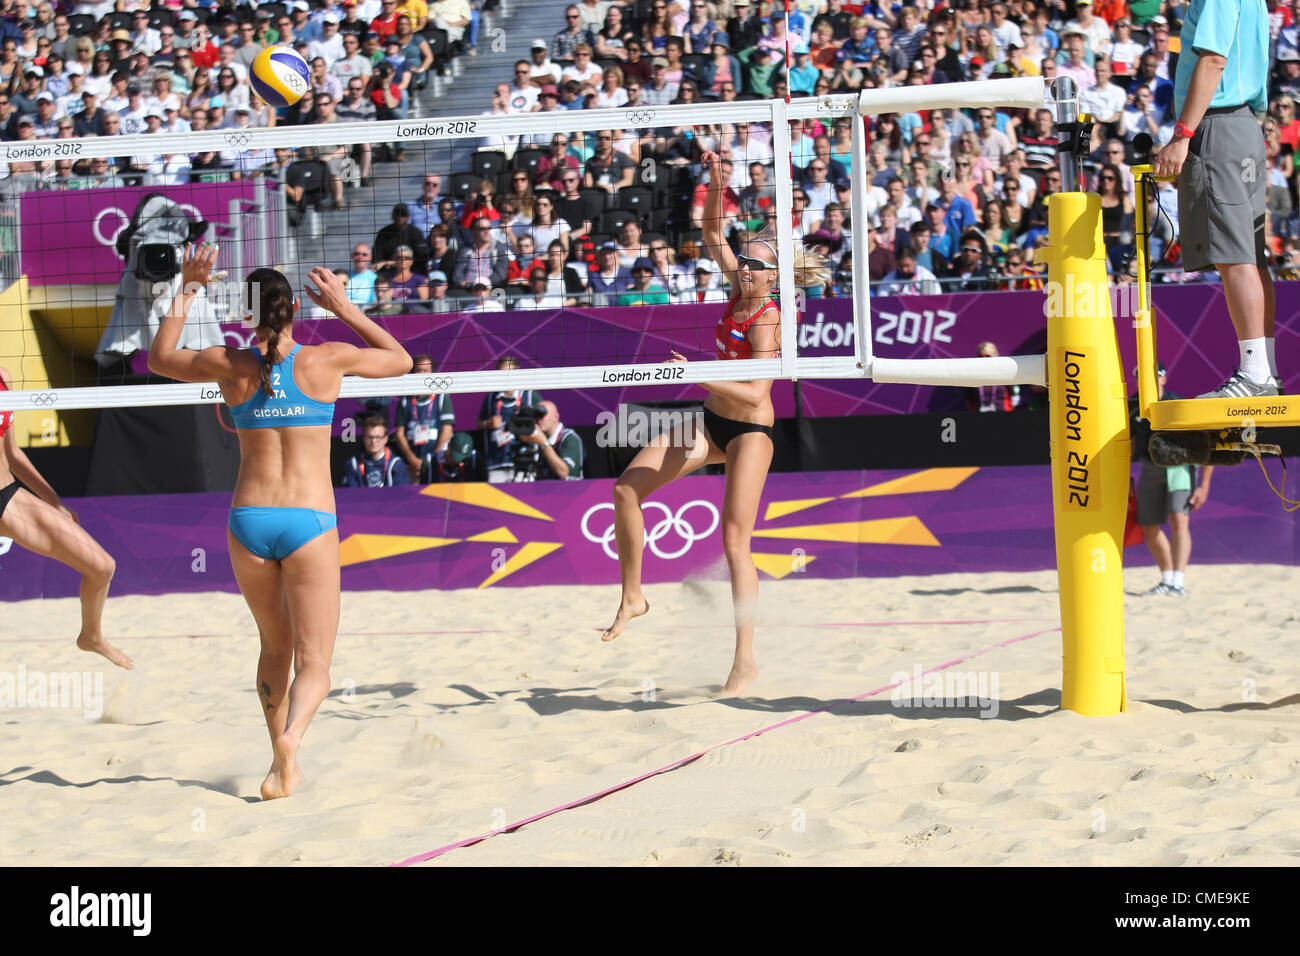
point(288, 407)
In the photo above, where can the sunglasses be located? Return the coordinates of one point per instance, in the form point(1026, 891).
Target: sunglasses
point(971, 249)
point(754, 265)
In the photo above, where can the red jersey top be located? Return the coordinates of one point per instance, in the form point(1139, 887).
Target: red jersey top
point(732, 337)
point(6, 418)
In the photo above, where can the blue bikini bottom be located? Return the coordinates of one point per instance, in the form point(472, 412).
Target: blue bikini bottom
point(276, 533)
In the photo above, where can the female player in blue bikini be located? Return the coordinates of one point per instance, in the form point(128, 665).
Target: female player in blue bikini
point(283, 537)
point(738, 420)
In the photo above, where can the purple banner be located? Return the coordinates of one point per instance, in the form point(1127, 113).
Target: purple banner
point(819, 525)
point(68, 234)
point(1194, 331)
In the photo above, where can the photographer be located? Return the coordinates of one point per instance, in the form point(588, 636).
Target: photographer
point(505, 457)
point(561, 448)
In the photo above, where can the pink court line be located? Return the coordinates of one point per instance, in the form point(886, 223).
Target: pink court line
point(510, 828)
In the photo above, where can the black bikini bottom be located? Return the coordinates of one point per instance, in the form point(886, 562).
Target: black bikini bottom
point(6, 493)
point(723, 430)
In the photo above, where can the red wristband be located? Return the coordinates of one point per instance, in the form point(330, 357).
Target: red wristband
point(1183, 131)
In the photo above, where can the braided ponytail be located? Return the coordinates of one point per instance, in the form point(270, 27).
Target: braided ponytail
point(272, 295)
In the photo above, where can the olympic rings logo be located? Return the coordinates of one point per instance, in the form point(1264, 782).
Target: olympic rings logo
point(45, 399)
point(123, 220)
point(239, 139)
point(438, 383)
point(675, 523)
point(640, 117)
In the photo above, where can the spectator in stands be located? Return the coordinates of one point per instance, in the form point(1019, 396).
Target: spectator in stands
point(969, 271)
point(1162, 91)
point(609, 278)
point(761, 77)
point(575, 32)
point(407, 284)
point(721, 69)
point(1143, 116)
point(567, 281)
point(881, 258)
point(538, 296)
point(361, 277)
point(1017, 272)
point(460, 236)
point(1116, 217)
point(561, 452)
point(425, 425)
point(486, 260)
point(703, 290)
point(644, 291)
point(582, 69)
point(608, 168)
point(423, 209)
point(456, 17)
point(636, 68)
point(442, 257)
point(376, 466)
point(552, 166)
point(909, 278)
point(384, 303)
point(745, 27)
point(523, 262)
point(545, 72)
point(353, 63)
point(399, 232)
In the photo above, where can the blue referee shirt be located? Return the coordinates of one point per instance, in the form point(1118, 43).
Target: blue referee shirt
point(1237, 30)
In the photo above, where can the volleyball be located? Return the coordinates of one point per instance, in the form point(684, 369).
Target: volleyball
point(280, 76)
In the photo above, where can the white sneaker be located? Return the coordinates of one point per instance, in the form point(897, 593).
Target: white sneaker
point(1239, 386)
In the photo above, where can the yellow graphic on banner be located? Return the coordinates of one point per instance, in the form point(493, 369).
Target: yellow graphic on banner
point(932, 479)
point(359, 548)
point(484, 496)
point(908, 530)
point(779, 509)
point(532, 551)
point(779, 565)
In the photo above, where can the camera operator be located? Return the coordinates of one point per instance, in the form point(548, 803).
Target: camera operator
point(507, 458)
point(561, 448)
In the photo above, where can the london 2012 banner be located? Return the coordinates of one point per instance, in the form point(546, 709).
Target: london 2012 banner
point(810, 525)
point(1194, 332)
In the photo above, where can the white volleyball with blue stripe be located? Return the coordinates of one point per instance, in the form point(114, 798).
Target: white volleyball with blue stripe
point(280, 76)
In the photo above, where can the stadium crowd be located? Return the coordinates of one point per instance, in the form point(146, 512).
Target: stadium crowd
point(957, 198)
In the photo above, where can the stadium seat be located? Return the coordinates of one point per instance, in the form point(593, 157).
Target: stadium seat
point(488, 163)
point(277, 10)
point(608, 63)
point(649, 237)
point(636, 199)
point(528, 159)
point(120, 20)
point(612, 220)
point(595, 201)
point(598, 239)
point(461, 186)
point(161, 17)
point(81, 24)
point(658, 219)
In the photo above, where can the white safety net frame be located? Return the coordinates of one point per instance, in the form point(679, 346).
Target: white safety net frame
point(1019, 92)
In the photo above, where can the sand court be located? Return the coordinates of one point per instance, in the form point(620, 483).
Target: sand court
point(455, 714)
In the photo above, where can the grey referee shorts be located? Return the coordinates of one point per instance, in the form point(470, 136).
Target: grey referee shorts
point(1221, 192)
point(1155, 502)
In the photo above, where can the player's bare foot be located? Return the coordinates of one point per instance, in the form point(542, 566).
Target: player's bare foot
point(285, 773)
point(741, 676)
point(626, 612)
point(97, 645)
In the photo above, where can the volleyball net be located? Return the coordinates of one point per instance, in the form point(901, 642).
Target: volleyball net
point(571, 241)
